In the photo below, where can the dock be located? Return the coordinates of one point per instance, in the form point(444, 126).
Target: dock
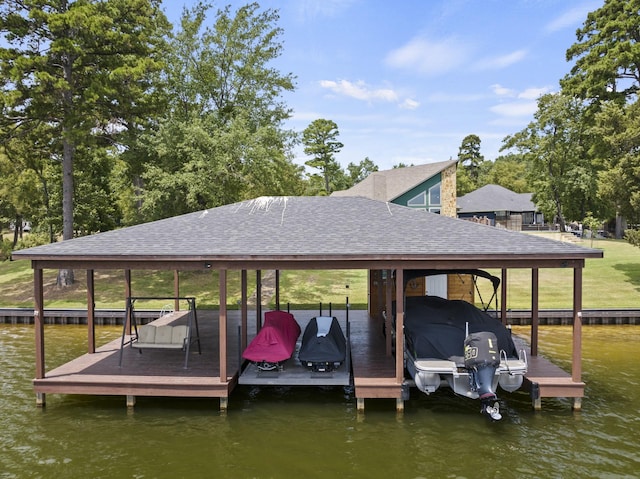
point(162, 373)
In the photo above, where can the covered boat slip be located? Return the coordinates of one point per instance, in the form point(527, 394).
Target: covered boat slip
point(298, 233)
point(293, 372)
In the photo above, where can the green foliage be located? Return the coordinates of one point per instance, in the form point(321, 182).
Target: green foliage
point(221, 139)
point(556, 145)
point(607, 54)
point(633, 237)
point(74, 77)
point(508, 171)
point(618, 151)
point(320, 142)
point(470, 158)
point(357, 173)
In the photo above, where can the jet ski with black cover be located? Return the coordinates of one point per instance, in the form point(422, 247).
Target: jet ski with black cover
point(324, 347)
point(453, 343)
point(275, 342)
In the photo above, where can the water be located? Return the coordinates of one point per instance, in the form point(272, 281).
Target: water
point(311, 432)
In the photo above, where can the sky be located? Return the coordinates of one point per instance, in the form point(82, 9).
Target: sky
point(406, 80)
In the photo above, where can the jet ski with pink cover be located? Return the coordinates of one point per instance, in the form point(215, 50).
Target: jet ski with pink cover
point(275, 342)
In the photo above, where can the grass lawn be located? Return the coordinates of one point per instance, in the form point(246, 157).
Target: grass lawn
point(611, 282)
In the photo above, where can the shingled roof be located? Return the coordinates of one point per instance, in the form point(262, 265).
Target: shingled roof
point(307, 231)
point(388, 185)
point(491, 198)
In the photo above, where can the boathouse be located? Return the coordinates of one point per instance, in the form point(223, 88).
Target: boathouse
point(291, 233)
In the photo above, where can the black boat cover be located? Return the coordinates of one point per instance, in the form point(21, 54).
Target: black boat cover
point(323, 341)
point(435, 327)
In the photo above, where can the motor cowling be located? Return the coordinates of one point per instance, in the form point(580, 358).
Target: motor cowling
point(482, 358)
point(480, 350)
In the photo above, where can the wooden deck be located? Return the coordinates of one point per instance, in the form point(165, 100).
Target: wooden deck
point(162, 372)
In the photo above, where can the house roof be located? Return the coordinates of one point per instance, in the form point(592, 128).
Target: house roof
point(492, 198)
point(307, 232)
point(388, 185)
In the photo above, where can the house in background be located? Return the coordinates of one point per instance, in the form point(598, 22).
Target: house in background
point(499, 206)
point(431, 187)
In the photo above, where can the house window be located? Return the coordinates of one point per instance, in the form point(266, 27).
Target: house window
point(434, 195)
point(418, 200)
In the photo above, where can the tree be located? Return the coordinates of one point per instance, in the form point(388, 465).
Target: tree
point(81, 68)
point(221, 139)
point(607, 54)
point(556, 144)
point(359, 172)
point(320, 141)
point(469, 156)
point(617, 150)
point(509, 171)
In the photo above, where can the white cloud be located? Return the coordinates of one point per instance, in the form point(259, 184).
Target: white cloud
point(428, 57)
point(409, 104)
point(502, 61)
point(502, 91)
point(572, 18)
point(534, 93)
point(515, 109)
point(361, 91)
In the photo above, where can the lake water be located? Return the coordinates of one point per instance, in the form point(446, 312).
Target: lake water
point(312, 432)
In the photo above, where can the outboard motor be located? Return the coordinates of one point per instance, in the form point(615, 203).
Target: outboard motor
point(482, 358)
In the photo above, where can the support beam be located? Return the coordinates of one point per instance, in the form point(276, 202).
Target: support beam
point(258, 300)
point(535, 316)
point(244, 313)
point(576, 364)
point(503, 297)
point(399, 326)
point(38, 321)
point(360, 404)
point(91, 313)
point(222, 324)
point(278, 289)
point(176, 289)
point(127, 295)
point(131, 401)
point(224, 404)
point(389, 312)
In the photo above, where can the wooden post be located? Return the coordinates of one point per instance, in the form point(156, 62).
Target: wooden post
point(576, 364)
point(38, 321)
point(176, 290)
point(534, 311)
point(127, 294)
point(223, 325)
point(91, 313)
point(389, 312)
point(243, 307)
point(258, 300)
point(503, 297)
point(399, 326)
point(278, 289)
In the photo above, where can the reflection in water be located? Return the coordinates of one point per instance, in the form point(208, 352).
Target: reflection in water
point(316, 432)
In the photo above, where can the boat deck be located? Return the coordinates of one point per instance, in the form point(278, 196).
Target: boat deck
point(161, 372)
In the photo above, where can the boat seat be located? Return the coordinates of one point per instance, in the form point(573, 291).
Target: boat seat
point(437, 366)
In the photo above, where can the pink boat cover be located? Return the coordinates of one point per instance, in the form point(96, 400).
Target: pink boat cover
point(276, 340)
